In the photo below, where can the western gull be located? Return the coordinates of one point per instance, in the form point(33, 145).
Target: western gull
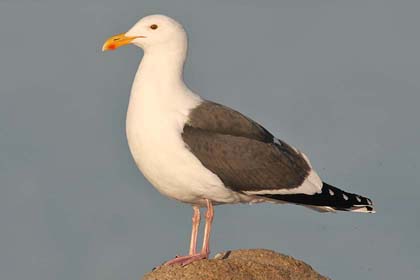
point(203, 153)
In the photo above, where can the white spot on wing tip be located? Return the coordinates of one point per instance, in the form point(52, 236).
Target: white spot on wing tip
point(358, 199)
point(345, 197)
point(331, 192)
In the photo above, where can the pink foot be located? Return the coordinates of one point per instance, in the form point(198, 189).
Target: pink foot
point(185, 260)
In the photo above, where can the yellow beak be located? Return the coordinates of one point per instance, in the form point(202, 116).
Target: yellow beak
point(117, 41)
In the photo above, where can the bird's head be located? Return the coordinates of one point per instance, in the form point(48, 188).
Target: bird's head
point(151, 33)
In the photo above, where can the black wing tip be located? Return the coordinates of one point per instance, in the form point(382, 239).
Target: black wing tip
point(330, 196)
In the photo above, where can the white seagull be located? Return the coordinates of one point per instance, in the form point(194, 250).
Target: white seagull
point(203, 153)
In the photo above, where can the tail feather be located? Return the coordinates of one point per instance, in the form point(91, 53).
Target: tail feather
point(331, 198)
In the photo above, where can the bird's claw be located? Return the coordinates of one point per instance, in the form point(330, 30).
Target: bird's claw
point(186, 260)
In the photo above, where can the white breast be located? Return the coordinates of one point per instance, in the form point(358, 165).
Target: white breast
point(155, 120)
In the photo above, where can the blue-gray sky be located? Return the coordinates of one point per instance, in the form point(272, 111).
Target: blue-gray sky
point(337, 79)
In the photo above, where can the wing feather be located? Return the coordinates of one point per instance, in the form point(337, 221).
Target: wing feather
point(244, 155)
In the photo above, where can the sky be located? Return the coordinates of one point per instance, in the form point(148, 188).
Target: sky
point(337, 79)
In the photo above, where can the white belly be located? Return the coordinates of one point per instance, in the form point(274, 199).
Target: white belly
point(154, 138)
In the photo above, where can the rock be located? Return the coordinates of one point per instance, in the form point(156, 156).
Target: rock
point(251, 264)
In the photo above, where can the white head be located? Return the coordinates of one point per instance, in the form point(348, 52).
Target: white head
point(152, 33)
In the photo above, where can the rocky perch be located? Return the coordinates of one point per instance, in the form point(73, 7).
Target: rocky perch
point(252, 264)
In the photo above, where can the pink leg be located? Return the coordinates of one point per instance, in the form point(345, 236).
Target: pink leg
point(194, 231)
point(193, 244)
point(205, 251)
point(207, 230)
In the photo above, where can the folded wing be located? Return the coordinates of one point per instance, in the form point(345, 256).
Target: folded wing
point(244, 155)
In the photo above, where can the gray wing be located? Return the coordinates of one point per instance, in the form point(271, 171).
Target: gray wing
point(220, 119)
point(244, 155)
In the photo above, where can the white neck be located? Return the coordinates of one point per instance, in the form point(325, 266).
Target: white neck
point(159, 85)
point(159, 89)
point(161, 67)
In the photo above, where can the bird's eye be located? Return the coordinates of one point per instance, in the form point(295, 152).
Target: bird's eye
point(153, 26)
